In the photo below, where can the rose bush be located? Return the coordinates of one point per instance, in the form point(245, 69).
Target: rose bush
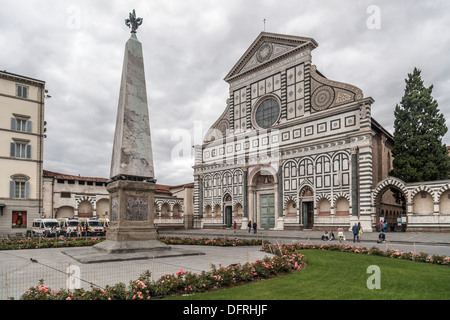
point(394, 254)
point(222, 242)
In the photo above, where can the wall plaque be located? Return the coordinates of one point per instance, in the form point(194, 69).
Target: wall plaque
point(137, 209)
point(114, 209)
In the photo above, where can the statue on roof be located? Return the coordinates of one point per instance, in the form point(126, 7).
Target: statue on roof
point(133, 22)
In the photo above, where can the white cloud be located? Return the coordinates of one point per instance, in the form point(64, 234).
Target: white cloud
point(189, 46)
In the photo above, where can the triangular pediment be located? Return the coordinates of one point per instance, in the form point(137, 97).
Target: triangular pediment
point(267, 48)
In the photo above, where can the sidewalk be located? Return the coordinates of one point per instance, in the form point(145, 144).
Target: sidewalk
point(430, 238)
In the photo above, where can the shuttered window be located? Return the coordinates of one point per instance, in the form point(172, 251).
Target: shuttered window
point(19, 189)
point(20, 150)
point(21, 91)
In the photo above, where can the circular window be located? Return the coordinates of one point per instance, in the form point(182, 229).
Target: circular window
point(267, 113)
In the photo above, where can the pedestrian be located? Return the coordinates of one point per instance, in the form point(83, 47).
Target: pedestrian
point(254, 227)
point(79, 230)
point(156, 229)
point(234, 226)
point(355, 230)
point(249, 226)
point(380, 225)
point(360, 231)
point(384, 226)
point(86, 228)
point(341, 234)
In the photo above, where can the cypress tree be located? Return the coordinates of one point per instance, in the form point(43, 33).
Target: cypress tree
point(419, 154)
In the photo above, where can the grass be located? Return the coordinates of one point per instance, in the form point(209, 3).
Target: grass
point(343, 276)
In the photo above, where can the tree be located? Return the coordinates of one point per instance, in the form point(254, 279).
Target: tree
point(419, 154)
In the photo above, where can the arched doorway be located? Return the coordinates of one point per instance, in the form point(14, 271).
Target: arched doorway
point(306, 197)
point(390, 204)
point(263, 197)
point(176, 211)
point(85, 209)
point(228, 209)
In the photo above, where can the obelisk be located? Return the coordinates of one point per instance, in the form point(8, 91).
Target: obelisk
point(132, 185)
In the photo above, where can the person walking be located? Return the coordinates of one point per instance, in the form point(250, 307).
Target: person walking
point(355, 230)
point(360, 231)
point(249, 225)
point(234, 226)
point(254, 227)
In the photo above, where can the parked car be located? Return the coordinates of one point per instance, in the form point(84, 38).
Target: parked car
point(46, 227)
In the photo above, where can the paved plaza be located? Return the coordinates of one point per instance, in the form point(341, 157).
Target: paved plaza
point(21, 269)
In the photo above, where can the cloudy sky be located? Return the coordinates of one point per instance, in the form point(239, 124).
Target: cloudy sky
point(189, 46)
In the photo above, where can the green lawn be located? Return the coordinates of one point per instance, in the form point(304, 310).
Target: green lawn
point(341, 276)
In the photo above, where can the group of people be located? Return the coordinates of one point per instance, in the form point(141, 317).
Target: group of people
point(249, 225)
point(357, 234)
point(356, 229)
point(328, 236)
point(383, 226)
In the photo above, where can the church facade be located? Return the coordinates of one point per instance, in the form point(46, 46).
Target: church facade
point(294, 149)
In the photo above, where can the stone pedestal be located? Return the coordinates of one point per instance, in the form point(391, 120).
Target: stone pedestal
point(131, 226)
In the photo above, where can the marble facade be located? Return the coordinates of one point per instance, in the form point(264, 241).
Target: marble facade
point(292, 149)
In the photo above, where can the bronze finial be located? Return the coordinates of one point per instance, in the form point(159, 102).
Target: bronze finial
point(133, 22)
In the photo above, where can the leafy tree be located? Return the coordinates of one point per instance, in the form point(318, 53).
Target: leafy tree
point(419, 154)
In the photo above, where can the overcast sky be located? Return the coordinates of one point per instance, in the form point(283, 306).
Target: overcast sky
point(189, 46)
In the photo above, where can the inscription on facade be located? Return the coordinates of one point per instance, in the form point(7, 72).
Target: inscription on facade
point(137, 209)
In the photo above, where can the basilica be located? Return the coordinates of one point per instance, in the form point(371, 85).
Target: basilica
point(296, 150)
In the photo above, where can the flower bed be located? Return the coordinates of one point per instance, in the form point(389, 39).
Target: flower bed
point(180, 283)
point(394, 254)
point(36, 243)
point(222, 242)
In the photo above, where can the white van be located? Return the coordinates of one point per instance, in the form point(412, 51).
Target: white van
point(104, 222)
point(63, 224)
point(95, 227)
point(46, 227)
point(92, 226)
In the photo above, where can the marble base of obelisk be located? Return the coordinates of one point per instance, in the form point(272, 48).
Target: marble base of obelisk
point(131, 226)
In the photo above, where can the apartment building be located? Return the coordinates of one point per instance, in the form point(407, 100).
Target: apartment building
point(22, 128)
